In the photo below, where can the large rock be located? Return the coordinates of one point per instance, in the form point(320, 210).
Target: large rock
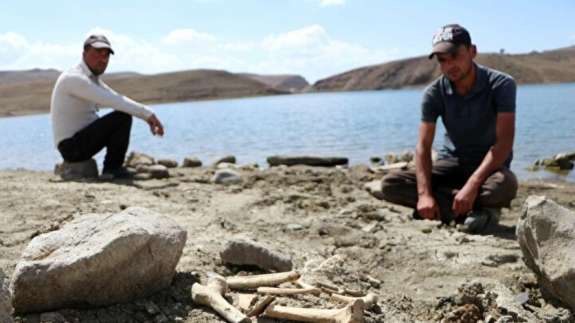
point(227, 159)
point(307, 160)
point(546, 235)
point(241, 251)
point(169, 163)
point(98, 259)
point(87, 169)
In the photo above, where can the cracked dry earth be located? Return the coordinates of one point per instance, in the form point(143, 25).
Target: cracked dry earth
point(335, 232)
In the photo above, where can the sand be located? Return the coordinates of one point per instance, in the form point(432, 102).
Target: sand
point(318, 216)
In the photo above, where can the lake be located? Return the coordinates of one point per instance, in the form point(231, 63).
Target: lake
point(357, 125)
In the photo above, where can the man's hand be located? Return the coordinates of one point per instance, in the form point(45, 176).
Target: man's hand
point(155, 125)
point(428, 208)
point(464, 199)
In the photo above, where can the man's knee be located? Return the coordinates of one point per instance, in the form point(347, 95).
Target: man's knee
point(396, 188)
point(499, 189)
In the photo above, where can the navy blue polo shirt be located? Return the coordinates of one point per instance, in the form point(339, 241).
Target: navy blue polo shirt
point(470, 120)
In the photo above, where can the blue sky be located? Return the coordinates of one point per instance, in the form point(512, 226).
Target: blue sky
point(313, 38)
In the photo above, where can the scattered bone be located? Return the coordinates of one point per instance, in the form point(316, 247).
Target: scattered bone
point(260, 306)
point(212, 295)
point(288, 291)
point(255, 281)
point(246, 301)
point(352, 313)
point(369, 300)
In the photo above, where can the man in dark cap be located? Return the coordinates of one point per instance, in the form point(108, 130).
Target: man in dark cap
point(471, 180)
point(79, 133)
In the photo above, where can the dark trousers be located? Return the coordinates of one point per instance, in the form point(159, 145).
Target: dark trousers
point(111, 131)
point(447, 177)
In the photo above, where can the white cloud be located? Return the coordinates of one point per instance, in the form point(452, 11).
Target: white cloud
point(188, 36)
point(309, 51)
point(327, 3)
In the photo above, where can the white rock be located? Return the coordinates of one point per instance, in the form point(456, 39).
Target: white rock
point(546, 235)
point(96, 260)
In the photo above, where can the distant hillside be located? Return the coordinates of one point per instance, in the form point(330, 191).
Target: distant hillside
point(554, 66)
point(288, 83)
point(24, 94)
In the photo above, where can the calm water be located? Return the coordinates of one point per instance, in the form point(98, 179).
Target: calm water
point(357, 125)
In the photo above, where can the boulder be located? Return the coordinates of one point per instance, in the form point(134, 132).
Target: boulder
point(169, 163)
point(191, 162)
point(98, 260)
point(87, 169)
point(307, 160)
point(228, 159)
point(136, 159)
point(243, 251)
point(546, 235)
point(226, 176)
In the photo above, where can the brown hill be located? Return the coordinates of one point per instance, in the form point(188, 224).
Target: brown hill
point(28, 95)
point(555, 66)
point(288, 82)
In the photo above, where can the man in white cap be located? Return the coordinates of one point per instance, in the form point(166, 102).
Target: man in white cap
point(471, 180)
point(79, 133)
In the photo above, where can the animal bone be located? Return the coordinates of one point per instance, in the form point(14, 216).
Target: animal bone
point(352, 313)
point(260, 306)
point(255, 281)
point(212, 295)
point(288, 291)
point(246, 301)
point(369, 299)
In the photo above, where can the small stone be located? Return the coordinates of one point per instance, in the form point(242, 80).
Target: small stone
point(87, 169)
point(169, 163)
point(158, 171)
point(228, 159)
point(294, 227)
point(226, 176)
point(191, 162)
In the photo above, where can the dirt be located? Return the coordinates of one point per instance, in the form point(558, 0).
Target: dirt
point(335, 232)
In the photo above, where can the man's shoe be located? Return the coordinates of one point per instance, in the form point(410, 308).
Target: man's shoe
point(116, 173)
point(479, 220)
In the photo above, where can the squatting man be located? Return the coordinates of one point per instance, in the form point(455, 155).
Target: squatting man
point(79, 133)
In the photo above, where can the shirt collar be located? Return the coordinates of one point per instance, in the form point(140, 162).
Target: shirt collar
point(478, 85)
point(86, 70)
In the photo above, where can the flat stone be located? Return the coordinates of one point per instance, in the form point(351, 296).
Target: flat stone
point(87, 169)
point(97, 260)
point(169, 163)
point(546, 235)
point(307, 160)
point(242, 251)
point(191, 162)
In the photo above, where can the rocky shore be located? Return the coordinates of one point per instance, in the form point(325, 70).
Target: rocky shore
point(321, 219)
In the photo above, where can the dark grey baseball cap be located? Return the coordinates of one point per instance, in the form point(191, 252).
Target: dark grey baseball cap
point(98, 41)
point(448, 38)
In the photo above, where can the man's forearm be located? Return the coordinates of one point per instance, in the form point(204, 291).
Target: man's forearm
point(492, 161)
point(423, 167)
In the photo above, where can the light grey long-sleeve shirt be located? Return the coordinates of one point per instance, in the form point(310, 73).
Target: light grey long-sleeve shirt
point(76, 98)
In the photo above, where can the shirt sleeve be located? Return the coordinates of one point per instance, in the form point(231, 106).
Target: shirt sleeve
point(431, 104)
point(84, 88)
point(504, 94)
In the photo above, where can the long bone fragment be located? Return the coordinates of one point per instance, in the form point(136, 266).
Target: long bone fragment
point(212, 295)
point(288, 291)
point(352, 313)
point(255, 281)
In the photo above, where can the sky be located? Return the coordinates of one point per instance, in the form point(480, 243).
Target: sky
point(312, 38)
